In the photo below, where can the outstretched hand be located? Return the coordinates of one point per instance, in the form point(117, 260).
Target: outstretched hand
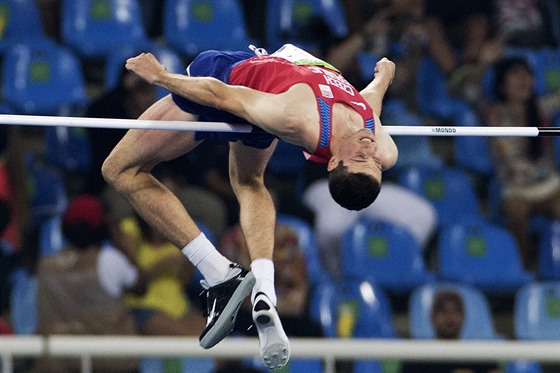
point(385, 69)
point(147, 66)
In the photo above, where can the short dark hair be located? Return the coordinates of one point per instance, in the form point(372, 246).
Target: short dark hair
point(352, 190)
point(447, 296)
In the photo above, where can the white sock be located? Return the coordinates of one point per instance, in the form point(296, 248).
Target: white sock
point(263, 270)
point(213, 265)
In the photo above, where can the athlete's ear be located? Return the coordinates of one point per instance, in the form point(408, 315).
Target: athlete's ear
point(331, 165)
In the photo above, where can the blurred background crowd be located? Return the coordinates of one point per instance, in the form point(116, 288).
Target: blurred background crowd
point(470, 223)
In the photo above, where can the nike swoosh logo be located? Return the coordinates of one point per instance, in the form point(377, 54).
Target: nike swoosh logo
point(360, 104)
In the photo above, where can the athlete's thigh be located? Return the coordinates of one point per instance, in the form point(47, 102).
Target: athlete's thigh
point(146, 148)
point(246, 162)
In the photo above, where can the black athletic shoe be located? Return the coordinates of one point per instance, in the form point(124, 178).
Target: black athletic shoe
point(223, 301)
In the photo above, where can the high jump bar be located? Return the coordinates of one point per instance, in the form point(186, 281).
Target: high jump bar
point(56, 121)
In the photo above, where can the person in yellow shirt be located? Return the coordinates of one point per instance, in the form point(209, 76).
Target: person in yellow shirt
point(164, 309)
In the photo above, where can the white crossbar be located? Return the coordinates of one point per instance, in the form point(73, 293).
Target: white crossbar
point(38, 120)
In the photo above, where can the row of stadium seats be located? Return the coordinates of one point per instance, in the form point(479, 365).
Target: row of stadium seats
point(42, 76)
point(472, 248)
point(93, 28)
point(361, 309)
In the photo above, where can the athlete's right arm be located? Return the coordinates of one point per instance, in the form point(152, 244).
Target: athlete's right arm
point(262, 109)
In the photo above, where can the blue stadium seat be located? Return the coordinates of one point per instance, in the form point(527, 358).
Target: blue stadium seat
point(367, 61)
point(523, 367)
point(50, 235)
point(42, 77)
point(414, 151)
point(434, 100)
point(308, 244)
point(353, 309)
point(537, 311)
point(178, 365)
point(94, 28)
point(549, 252)
point(495, 212)
point(483, 255)
point(68, 149)
point(23, 302)
point(478, 315)
point(385, 253)
point(285, 20)
point(191, 27)
point(6, 109)
point(448, 188)
point(47, 192)
point(116, 59)
point(19, 20)
point(547, 71)
point(295, 365)
point(472, 153)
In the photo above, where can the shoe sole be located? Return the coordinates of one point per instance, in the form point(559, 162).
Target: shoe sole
point(276, 351)
point(226, 321)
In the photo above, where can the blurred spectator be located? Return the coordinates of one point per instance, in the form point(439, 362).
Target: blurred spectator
point(457, 31)
point(80, 288)
point(528, 23)
point(130, 98)
point(528, 175)
point(164, 309)
point(396, 29)
point(204, 206)
point(13, 186)
point(6, 262)
point(393, 29)
point(331, 220)
point(290, 278)
point(210, 160)
point(447, 317)
point(463, 42)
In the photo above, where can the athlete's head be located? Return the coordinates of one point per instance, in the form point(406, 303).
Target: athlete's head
point(355, 171)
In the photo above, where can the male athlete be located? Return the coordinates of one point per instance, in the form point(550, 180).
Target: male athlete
point(289, 95)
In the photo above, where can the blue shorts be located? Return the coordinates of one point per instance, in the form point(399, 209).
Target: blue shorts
point(219, 64)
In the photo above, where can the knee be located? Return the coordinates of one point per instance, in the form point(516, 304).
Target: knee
point(113, 172)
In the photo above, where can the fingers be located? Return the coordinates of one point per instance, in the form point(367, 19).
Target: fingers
point(132, 61)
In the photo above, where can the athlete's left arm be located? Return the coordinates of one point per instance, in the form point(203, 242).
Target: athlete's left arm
point(373, 94)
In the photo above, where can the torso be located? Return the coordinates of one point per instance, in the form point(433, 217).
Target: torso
point(320, 99)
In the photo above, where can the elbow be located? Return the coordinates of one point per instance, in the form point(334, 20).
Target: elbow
point(109, 171)
point(390, 157)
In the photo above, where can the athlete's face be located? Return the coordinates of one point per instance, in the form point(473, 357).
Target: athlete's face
point(359, 154)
